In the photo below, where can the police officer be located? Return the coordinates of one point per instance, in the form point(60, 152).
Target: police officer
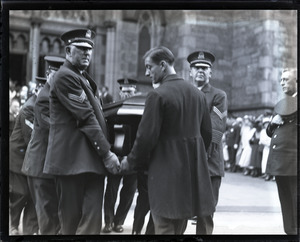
point(282, 160)
point(78, 152)
point(114, 220)
point(216, 100)
point(42, 186)
point(19, 195)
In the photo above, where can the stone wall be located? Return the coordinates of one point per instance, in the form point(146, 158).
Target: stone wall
point(261, 48)
point(250, 46)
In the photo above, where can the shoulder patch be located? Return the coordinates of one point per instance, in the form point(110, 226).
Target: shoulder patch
point(219, 113)
point(28, 123)
point(76, 98)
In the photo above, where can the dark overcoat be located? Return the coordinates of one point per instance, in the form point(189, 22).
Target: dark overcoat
point(175, 130)
point(77, 135)
point(36, 150)
point(217, 105)
point(282, 160)
point(233, 135)
point(20, 136)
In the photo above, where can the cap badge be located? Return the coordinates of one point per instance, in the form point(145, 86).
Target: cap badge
point(126, 81)
point(201, 55)
point(88, 34)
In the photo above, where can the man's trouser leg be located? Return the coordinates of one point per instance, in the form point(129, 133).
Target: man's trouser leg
point(126, 197)
point(169, 226)
point(205, 225)
point(287, 191)
point(43, 192)
point(110, 197)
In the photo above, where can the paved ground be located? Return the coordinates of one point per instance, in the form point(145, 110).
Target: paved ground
point(247, 205)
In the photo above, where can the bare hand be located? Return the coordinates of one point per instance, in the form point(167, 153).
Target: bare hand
point(277, 119)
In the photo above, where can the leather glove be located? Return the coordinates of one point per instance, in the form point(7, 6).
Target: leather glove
point(111, 162)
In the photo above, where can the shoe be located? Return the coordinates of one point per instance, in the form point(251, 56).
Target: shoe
point(268, 178)
point(263, 176)
point(107, 228)
point(247, 172)
point(254, 173)
point(118, 228)
point(14, 231)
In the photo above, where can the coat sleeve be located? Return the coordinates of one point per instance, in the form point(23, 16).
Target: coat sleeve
point(148, 130)
point(206, 127)
point(26, 121)
point(42, 114)
point(218, 115)
point(72, 96)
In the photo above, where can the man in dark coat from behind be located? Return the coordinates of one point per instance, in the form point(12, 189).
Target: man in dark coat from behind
point(175, 132)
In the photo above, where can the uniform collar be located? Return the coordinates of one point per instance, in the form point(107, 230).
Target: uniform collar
point(206, 87)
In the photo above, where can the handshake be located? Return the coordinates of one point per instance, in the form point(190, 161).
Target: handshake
point(113, 165)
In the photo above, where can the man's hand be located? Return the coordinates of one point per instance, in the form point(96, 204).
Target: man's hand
point(125, 168)
point(124, 164)
point(111, 162)
point(277, 120)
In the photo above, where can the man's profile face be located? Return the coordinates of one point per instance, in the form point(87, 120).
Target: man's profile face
point(80, 56)
point(15, 107)
point(288, 83)
point(200, 74)
point(153, 70)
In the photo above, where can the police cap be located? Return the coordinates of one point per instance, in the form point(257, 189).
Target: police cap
point(54, 62)
point(201, 58)
point(127, 83)
point(79, 37)
point(41, 80)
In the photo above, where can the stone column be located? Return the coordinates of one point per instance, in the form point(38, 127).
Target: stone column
point(34, 46)
point(110, 62)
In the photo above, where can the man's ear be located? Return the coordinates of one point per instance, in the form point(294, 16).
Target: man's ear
point(163, 65)
point(68, 50)
point(210, 73)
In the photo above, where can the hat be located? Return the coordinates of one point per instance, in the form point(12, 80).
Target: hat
point(286, 106)
point(127, 84)
point(40, 80)
point(201, 58)
point(54, 62)
point(79, 37)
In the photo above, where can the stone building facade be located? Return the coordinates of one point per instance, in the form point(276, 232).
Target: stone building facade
point(251, 47)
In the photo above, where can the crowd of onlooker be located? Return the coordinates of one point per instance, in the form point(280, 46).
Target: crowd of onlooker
point(18, 95)
point(246, 145)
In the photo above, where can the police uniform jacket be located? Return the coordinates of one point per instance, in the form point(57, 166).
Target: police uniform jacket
point(282, 160)
point(216, 100)
point(36, 151)
point(77, 135)
point(20, 136)
point(175, 130)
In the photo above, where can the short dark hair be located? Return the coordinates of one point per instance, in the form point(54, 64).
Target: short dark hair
point(160, 53)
